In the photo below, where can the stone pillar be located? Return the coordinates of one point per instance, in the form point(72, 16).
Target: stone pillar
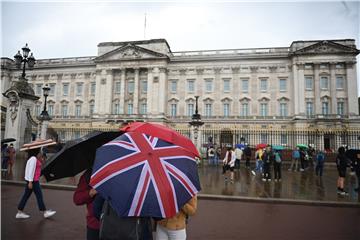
point(296, 86)
point(136, 91)
point(351, 86)
point(317, 103)
point(301, 90)
point(122, 90)
point(333, 106)
point(20, 101)
point(98, 93)
point(108, 91)
point(162, 91)
point(150, 91)
point(44, 127)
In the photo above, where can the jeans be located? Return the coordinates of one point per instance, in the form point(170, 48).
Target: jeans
point(163, 233)
point(247, 161)
point(319, 169)
point(38, 193)
point(237, 163)
point(294, 161)
point(259, 166)
point(212, 160)
point(277, 170)
point(267, 174)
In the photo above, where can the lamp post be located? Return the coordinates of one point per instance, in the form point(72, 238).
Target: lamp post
point(24, 58)
point(44, 116)
point(196, 122)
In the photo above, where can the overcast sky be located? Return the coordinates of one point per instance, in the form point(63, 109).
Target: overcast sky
point(67, 29)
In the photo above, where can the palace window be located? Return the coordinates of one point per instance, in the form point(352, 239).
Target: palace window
point(38, 89)
point(340, 82)
point(340, 108)
point(190, 109)
point(324, 82)
point(143, 108)
point(131, 86)
point(65, 89)
point(208, 85)
point(78, 110)
point(173, 109)
point(144, 86)
point(208, 109)
point(226, 85)
point(79, 89)
point(263, 109)
point(282, 85)
point(91, 108)
point(51, 109)
point(173, 86)
point(309, 109)
point(191, 86)
point(116, 108)
point(263, 85)
point(37, 109)
point(130, 108)
point(226, 107)
point(245, 85)
point(52, 89)
point(309, 83)
point(244, 109)
point(64, 110)
point(283, 109)
point(325, 108)
point(92, 88)
point(117, 87)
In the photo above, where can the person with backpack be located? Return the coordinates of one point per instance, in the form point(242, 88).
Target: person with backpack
point(341, 163)
point(211, 155)
point(268, 159)
point(175, 228)
point(229, 164)
point(113, 227)
point(84, 194)
point(320, 159)
point(277, 166)
point(238, 156)
point(295, 160)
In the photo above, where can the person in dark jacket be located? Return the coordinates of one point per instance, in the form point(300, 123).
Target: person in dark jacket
point(84, 194)
point(320, 159)
point(341, 163)
point(268, 158)
point(247, 154)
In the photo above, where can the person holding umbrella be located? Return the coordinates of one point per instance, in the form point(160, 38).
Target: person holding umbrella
point(268, 159)
point(229, 164)
point(341, 163)
point(32, 177)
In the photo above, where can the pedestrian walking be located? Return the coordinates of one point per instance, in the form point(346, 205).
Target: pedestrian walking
point(4, 159)
point(295, 160)
point(277, 166)
point(175, 228)
point(320, 159)
point(247, 153)
point(341, 163)
point(32, 177)
point(259, 162)
point(238, 156)
point(303, 159)
point(268, 159)
point(12, 154)
point(229, 164)
point(211, 155)
point(85, 194)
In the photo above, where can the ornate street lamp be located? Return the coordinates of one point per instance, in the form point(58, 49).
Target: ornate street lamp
point(44, 116)
point(24, 58)
point(196, 121)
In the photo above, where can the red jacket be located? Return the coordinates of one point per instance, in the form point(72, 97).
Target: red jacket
point(81, 197)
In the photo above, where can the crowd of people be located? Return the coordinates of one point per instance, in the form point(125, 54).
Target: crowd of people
point(269, 160)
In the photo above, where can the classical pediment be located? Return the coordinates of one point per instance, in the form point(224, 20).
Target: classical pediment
point(130, 52)
point(326, 47)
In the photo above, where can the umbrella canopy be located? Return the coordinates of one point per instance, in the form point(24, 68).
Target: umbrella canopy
point(302, 146)
point(278, 147)
point(240, 146)
point(162, 132)
point(261, 145)
point(76, 155)
point(7, 140)
point(142, 175)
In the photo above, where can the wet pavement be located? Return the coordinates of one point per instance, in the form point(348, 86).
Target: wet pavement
point(215, 219)
point(295, 186)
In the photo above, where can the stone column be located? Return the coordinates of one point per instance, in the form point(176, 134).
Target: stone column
point(44, 127)
point(136, 91)
point(317, 105)
point(98, 93)
point(108, 91)
point(162, 91)
point(351, 86)
point(301, 90)
point(296, 87)
point(150, 91)
point(122, 90)
point(333, 99)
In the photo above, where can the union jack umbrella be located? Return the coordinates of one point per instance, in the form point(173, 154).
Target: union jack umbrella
point(142, 175)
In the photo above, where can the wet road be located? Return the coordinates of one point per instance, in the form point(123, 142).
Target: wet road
point(215, 219)
point(295, 185)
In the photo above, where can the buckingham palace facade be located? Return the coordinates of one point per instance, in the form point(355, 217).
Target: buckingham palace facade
point(305, 93)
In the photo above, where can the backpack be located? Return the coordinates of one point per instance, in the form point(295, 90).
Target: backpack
point(277, 158)
point(113, 227)
point(320, 158)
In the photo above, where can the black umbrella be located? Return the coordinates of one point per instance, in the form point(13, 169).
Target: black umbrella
point(76, 155)
point(7, 140)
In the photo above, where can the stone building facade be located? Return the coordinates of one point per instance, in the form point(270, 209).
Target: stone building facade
point(305, 93)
